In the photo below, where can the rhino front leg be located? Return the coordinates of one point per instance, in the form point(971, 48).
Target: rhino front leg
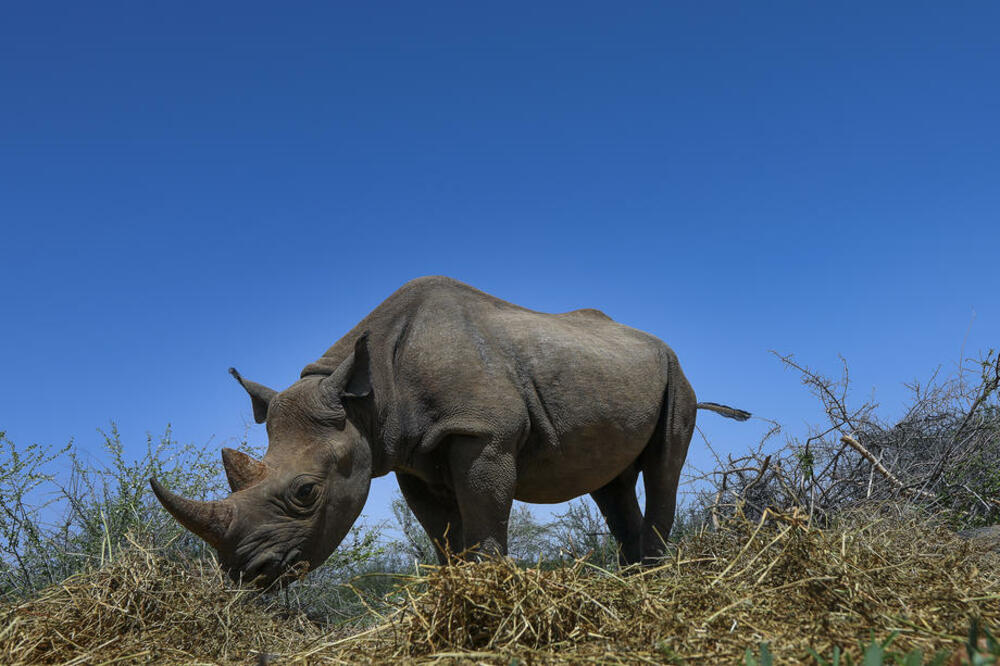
point(483, 473)
point(437, 512)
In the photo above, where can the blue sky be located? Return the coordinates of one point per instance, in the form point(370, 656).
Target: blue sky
point(189, 186)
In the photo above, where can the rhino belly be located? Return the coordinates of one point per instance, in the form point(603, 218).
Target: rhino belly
point(579, 463)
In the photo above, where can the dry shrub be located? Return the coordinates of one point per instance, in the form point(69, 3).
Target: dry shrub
point(145, 608)
point(777, 580)
point(943, 454)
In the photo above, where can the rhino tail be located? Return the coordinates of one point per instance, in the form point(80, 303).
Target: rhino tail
point(725, 410)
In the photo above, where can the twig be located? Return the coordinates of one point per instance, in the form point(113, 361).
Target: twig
point(880, 468)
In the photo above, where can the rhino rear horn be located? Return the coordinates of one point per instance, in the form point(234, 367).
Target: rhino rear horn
point(209, 520)
point(260, 395)
point(242, 471)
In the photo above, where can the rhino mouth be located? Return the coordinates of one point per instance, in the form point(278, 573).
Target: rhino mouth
point(272, 570)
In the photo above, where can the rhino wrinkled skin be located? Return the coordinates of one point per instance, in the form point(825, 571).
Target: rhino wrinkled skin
point(472, 402)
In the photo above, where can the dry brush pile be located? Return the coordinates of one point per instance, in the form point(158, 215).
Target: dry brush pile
point(777, 580)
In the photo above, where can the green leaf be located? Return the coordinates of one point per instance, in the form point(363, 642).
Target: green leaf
point(874, 655)
point(939, 658)
point(970, 645)
point(766, 659)
point(819, 660)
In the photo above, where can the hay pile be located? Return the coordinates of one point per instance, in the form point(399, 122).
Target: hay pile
point(720, 592)
point(145, 608)
point(777, 581)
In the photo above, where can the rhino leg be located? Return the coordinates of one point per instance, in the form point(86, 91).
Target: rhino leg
point(437, 512)
point(661, 464)
point(620, 507)
point(483, 472)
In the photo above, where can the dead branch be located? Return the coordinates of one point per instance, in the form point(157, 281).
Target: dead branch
point(880, 468)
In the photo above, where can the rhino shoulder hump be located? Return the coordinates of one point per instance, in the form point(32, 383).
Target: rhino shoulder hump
point(431, 283)
point(587, 313)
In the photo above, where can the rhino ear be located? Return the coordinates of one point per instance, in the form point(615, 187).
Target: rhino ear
point(352, 379)
point(260, 396)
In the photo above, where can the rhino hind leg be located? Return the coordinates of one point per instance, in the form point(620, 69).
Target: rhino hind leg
point(620, 507)
point(661, 465)
point(437, 512)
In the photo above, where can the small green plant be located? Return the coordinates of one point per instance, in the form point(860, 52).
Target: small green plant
point(806, 462)
point(982, 650)
point(668, 653)
point(765, 658)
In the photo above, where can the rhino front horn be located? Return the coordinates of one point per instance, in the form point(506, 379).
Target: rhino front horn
point(242, 470)
point(209, 520)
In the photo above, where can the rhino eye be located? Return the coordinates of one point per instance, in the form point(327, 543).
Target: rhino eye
point(304, 493)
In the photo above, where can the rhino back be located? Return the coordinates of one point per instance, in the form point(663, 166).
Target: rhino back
point(447, 353)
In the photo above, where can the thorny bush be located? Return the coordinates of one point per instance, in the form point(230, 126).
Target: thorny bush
point(943, 455)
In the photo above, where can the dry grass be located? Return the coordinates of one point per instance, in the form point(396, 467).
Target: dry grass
point(144, 608)
point(777, 580)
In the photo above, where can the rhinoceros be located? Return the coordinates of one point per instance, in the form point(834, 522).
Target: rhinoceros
point(472, 402)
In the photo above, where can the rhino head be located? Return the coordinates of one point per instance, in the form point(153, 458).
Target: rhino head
point(290, 510)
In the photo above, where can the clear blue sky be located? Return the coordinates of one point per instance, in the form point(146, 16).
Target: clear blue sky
point(189, 186)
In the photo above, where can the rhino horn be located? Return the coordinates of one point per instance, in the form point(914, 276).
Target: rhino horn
point(209, 520)
point(242, 470)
